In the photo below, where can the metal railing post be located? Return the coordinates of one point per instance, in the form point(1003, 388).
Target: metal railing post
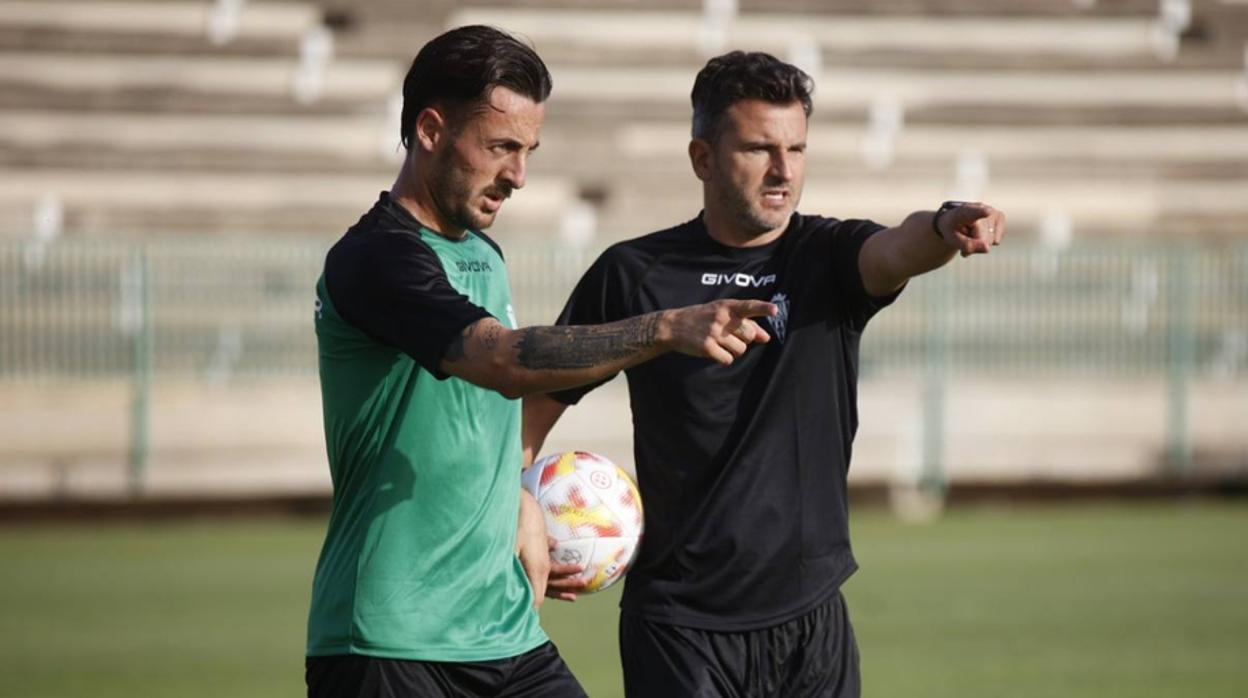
point(1181, 350)
point(140, 413)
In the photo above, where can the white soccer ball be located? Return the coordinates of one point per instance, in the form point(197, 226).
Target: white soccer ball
point(592, 509)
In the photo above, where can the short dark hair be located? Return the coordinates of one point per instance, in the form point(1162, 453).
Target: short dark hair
point(734, 76)
point(460, 68)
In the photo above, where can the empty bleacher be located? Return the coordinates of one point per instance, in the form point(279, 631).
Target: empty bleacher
point(134, 117)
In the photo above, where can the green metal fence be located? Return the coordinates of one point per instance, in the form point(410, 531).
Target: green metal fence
point(229, 309)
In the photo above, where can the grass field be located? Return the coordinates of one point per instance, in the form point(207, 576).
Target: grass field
point(1064, 601)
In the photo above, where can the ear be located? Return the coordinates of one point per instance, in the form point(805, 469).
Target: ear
point(700, 154)
point(431, 128)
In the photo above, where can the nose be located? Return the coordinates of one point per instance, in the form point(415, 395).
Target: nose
point(781, 168)
point(514, 171)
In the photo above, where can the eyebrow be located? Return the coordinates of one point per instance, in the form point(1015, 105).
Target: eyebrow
point(770, 144)
point(513, 142)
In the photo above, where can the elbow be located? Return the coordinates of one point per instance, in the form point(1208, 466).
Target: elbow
point(500, 372)
point(508, 380)
point(502, 382)
point(512, 390)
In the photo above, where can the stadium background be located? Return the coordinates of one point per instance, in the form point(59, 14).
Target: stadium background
point(173, 172)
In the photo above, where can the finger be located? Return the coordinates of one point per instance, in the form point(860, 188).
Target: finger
point(750, 332)
point(966, 214)
point(733, 344)
point(564, 569)
point(983, 232)
point(751, 308)
point(964, 244)
point(565, 597)
point(716, 352)
point(986, 229)
point(569, 584)
point(974, 240)
point(740, 330)
point(999, 228)
point(760, 335)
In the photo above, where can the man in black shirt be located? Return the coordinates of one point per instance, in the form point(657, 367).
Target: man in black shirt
point(743, 467)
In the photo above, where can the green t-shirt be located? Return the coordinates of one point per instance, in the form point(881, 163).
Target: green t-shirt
point(419, 560)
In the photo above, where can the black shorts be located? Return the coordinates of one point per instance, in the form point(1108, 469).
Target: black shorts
point(537, 673)
point(812, 655)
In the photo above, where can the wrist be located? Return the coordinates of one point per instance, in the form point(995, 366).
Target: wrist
point(665, 335)
point(945, 208)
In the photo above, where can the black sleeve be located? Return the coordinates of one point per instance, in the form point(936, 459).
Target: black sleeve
point(598, 298)
point(392, 287)
point(858, 305)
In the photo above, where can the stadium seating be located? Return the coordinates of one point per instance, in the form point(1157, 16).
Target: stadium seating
point(279, 117)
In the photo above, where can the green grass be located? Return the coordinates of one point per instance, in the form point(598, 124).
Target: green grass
point(1064, 601)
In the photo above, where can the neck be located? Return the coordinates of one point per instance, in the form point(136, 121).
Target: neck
point(412, 192)
point(726, 229)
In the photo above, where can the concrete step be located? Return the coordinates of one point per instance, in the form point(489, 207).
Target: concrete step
point(1140, 207)
point(269, 20)
point(369, 144)
point(137, 140)
point(216, 83)
point(399, 9)
point(640, 32)
point(1212, 89)
point(156, 202)
point(663, 145)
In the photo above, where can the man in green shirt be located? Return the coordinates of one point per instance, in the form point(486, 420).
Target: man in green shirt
point(423, 587)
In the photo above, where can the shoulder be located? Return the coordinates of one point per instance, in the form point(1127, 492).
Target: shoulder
point(380, 252)
point(826, 231)
point(824, 225)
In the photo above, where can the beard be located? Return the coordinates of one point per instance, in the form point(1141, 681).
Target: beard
point(746, 207)
point(453, 193)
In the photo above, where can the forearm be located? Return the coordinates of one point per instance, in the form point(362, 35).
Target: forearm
point(532, 525)
point(893, 256)
point(540, 414)
point(543, 359)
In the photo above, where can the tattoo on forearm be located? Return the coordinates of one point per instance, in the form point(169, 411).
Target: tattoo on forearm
point(586, 346)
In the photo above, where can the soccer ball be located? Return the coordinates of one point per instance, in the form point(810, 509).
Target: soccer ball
point(592, 509)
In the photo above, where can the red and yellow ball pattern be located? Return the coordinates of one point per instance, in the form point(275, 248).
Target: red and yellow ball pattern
point(593, 509)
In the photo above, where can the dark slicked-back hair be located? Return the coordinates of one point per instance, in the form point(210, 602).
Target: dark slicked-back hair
point(732, 77)
point(460, 67)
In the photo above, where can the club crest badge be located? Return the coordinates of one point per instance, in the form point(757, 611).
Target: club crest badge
point(780, 322)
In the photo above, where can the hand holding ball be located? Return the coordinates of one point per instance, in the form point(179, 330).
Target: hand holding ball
point(592, 509)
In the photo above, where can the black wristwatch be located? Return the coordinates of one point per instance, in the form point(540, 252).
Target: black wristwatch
point(944, 208)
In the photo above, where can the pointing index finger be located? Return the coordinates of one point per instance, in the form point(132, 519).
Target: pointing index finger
point(969, 213)
point(752, 308)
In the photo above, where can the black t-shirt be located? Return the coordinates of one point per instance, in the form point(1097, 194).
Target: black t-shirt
point(384, 279)
point(742, 468)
